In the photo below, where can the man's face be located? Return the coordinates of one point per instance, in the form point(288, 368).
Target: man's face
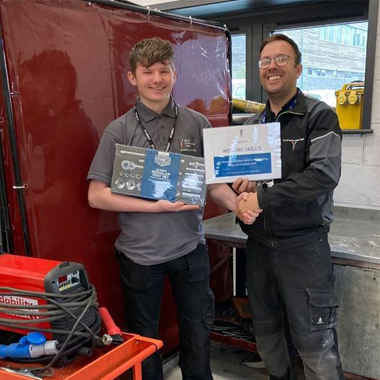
point(280, 82)
point(154, 83)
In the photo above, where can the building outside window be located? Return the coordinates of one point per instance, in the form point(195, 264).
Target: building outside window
point(332, 55)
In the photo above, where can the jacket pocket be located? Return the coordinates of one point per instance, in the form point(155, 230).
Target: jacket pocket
point(322, 308)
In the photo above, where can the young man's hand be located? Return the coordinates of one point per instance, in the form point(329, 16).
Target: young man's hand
point(242, 185)
point(166, 206)
point(247, 207)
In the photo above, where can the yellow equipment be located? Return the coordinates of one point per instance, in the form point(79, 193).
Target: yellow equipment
point(349, 105)
point(247, 105)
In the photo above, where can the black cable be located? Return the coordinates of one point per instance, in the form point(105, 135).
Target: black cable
point(30, 310)
point(54, 311)
point(55, 295)
point(61, 351)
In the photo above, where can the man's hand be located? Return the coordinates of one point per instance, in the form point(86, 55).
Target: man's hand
point(166, 206)
point(242, 185)
point(247, 207)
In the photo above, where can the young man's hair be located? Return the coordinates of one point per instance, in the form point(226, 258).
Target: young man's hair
point(283, 37)
point(150, 51)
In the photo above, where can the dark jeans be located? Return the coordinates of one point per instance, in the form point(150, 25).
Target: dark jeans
point(295, 285)
point(189, 278)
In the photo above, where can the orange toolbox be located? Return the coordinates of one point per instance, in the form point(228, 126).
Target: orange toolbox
point(105, 363)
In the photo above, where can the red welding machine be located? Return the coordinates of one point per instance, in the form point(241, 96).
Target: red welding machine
point(53, 297)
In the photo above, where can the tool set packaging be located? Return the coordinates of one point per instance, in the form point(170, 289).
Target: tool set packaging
point(152, 174)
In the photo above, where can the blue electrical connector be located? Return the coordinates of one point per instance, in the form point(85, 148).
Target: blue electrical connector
point(32, 345)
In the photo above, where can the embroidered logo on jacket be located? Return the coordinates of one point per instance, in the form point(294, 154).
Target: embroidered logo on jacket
point(293, 141)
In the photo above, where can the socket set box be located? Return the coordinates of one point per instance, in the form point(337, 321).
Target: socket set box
point(153, 174)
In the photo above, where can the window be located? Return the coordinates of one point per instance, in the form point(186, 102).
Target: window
point(332, 33)
point(332, 55)
point(238, 66)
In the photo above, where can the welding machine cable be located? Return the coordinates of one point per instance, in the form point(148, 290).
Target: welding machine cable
point(58, 307)
point(33, 345)
point(53, 311)
point(62, 306)
point(62, 349)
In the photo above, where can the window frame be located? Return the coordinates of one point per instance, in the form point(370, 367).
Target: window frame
point(253, 22)
point(247, 31)
point(269, 28)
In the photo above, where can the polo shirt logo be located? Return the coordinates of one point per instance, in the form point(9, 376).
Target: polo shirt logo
point(162, 159)
point(186, 145)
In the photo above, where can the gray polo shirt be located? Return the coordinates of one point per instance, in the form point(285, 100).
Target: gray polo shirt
point(153, 238)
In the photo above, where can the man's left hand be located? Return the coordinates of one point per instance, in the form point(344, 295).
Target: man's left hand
point(243, 185)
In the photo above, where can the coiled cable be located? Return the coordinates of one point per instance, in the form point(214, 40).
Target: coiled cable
point(58, 307)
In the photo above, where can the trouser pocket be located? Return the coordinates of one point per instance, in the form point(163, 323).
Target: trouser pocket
point(322, 308)
point(135, 276)
point(210, 310)
point(198, 264)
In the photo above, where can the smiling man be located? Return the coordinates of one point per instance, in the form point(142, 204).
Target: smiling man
point(290, 278)
point(279, 72)
point(160, 238)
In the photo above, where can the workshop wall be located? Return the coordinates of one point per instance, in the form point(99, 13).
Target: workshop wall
point(360, 182)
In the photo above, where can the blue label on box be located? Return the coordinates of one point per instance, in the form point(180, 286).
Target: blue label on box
point(160, 175)
point(242, 165)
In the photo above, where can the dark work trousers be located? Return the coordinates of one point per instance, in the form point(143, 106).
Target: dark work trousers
point(295, 285)
point(189, 278)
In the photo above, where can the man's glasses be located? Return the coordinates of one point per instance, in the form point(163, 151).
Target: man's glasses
point(280, 60)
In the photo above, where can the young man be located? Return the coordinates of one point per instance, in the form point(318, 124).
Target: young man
point(290, 277)
point(160, 238)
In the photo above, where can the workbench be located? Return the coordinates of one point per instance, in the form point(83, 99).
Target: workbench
point(355, 249)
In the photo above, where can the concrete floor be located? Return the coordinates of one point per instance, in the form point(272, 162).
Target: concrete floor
point(227, 363)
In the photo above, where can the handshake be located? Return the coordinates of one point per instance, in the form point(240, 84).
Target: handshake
point(247, 205)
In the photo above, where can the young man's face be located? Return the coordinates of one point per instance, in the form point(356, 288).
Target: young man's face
point(280, 82)
point(154, 83)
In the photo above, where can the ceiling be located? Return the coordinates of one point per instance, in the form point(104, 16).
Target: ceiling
point(199, 8)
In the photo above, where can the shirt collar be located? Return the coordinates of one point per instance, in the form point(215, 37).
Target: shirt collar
point(147, 115)
point(270, 116)
point(291, 103)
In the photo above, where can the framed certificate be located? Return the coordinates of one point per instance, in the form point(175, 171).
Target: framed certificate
point(252, 151)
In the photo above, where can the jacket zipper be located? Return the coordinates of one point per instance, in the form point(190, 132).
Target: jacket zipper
point(265, 224)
